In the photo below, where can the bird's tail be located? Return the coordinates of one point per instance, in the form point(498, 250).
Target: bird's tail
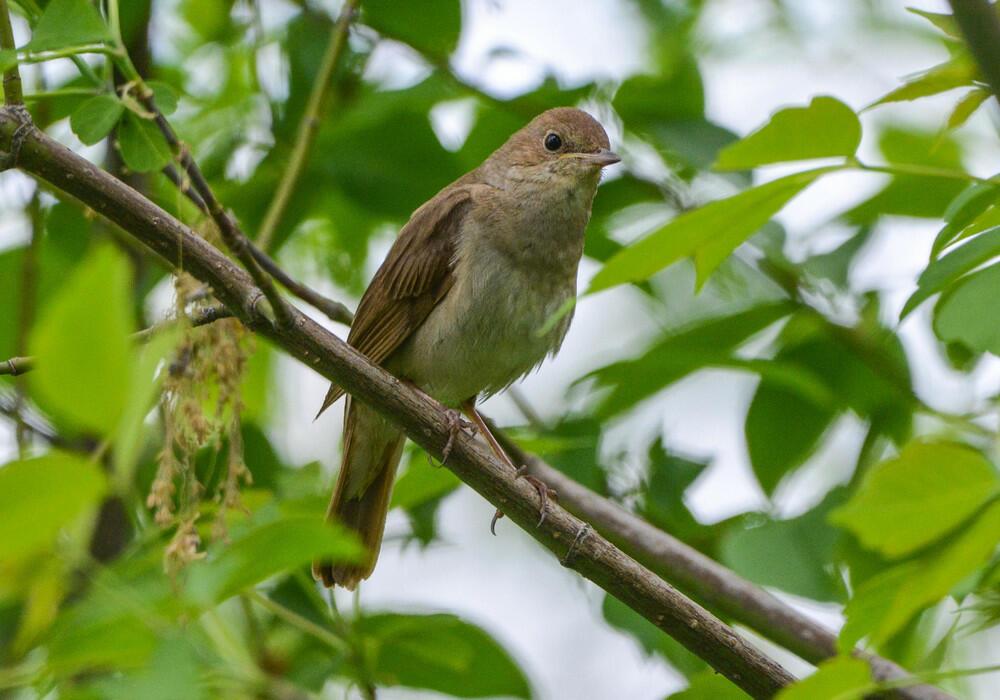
point(372, 448)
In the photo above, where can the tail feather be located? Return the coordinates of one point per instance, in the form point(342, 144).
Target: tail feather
point(372, 449)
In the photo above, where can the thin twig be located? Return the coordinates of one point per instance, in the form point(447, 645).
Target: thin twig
point(21, 365)
point(295, 620)
point(26, 312)
point(12, 92)
point(333, 310)
point(308, 126)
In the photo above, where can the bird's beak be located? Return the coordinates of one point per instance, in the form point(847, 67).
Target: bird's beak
point(602, 158)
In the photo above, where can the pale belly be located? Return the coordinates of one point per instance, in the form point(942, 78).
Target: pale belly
point(485, 333)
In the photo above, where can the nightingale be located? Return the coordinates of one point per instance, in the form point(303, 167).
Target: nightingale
point(459, 302)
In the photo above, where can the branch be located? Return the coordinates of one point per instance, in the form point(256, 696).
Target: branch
point(333, 310)
point(234, 238)
point(308, 127)
point(703, 578)
point(22, 365)
point(12, 92)
point(423, 420)
point(980, 25)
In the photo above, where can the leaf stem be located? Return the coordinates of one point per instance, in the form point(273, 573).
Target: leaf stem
point(12, 92)
point(919, 171)
point(308, 127)
point(296, 620)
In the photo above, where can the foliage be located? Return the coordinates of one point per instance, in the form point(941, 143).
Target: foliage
point(155, 543)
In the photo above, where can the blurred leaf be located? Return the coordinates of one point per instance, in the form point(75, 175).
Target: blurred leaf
point(173, 672)
point(651, 638)
point(143, 147)
point(95, 118)
point(793, 555)
point(948, 268)
point(709, 685)
point(421, 483)
point(680, 353)
point(39, 496)
point(575, 451)
point(940, 78)
point(164, 96)
point(962, 211)
point(709, 233)
point(267, 550)
point(967, 313)
point(431, 26)
point(646, 101)
point(840, 678)
point(669, 476)
point(910, 501)
point(913, 195)
point(967, 106)
point(81, 340)
point(66, 23)
point(439, 652)
point(824, 129)
point(945, 22)
point(883, 604)
point(836, 264)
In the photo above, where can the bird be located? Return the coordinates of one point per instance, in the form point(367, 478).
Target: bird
point(461, 305)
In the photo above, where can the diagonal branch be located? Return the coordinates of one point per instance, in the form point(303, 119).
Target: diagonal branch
point(333, 310)
point(308, 127)
point(704, 578)
point(424, 420)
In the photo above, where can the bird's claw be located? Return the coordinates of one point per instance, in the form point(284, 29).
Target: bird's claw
point(455, 425)
point(544, 494)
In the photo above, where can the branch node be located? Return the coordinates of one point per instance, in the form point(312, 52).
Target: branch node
point(21, 115)
point(581, 535)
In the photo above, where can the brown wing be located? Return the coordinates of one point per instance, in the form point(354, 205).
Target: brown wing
point(415, 276)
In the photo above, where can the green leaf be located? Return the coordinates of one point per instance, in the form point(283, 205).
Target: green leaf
point(143, 147)
point(963, 210)
point(82, 344)
point(914, 499)
point(431, 26)
point(67, 23)
point(421, 483)
point(680, 353)
point(945, 22)
point(782, 429)
point(793, 555)
point(265, 551)
point(840, 678)
point(173, 672)
point(967, 313)
point(941, 78)
point(884, 604)
point(439, 652)
point(709, 685)
point(967, 106)
point(709, 233)
point(652, 639)
point(39, 496)
point(825, 129)
point(947, 269)
point(95, 118)
point(669, 476)
point(164, 96)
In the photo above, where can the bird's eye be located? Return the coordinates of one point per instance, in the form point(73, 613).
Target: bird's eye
point(552, 141)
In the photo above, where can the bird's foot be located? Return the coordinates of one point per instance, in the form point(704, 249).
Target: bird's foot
point(456, 424)
point(544, 494)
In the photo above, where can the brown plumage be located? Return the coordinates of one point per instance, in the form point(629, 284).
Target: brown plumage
point(457, 303)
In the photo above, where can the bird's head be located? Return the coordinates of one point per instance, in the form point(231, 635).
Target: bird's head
point(564, 142)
